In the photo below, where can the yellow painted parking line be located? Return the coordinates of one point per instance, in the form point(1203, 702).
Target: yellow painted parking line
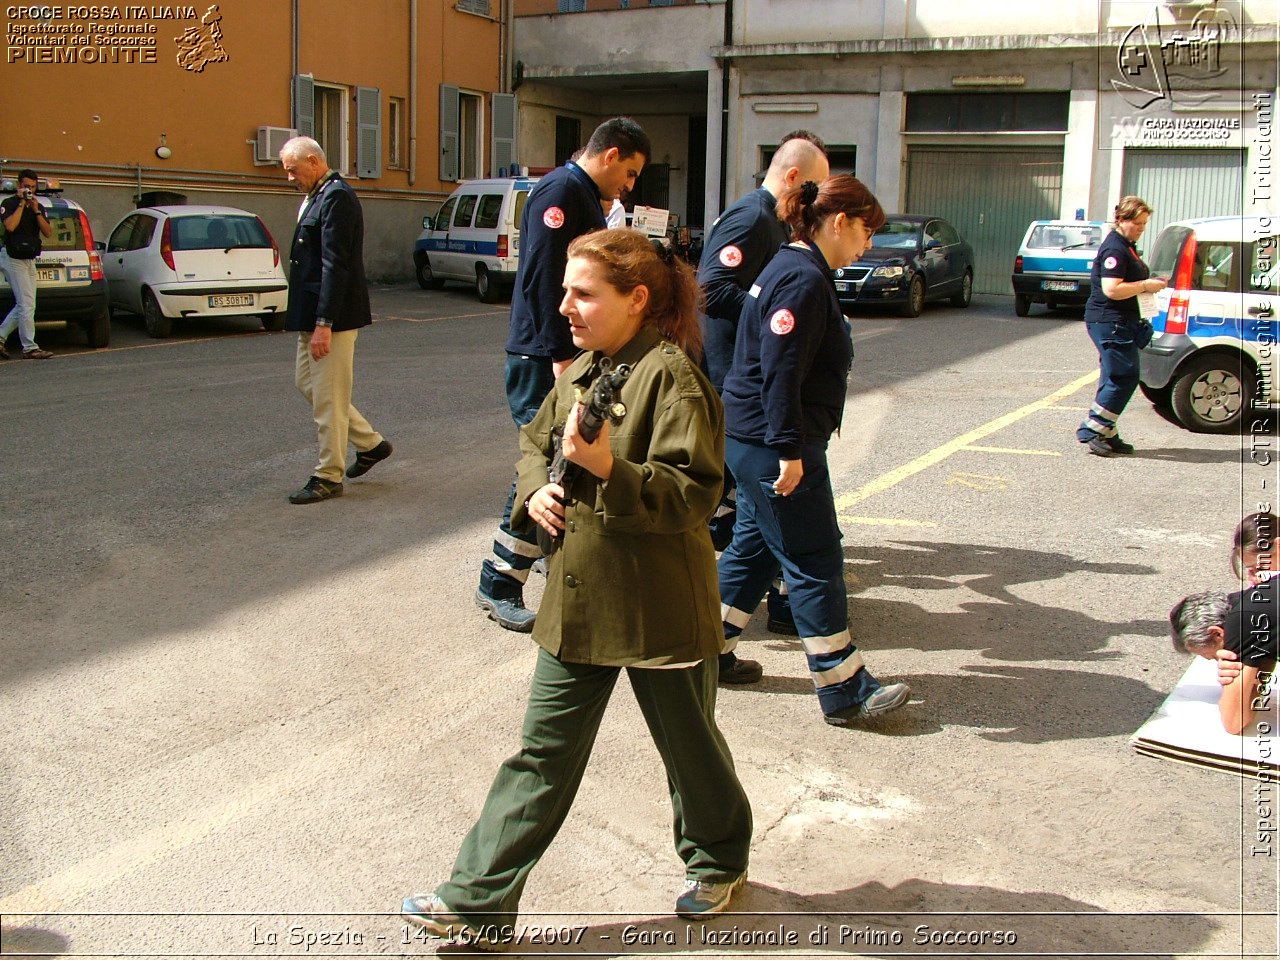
point(452, 316)
point(151, 346)
point(978, 481)
point(886, 522)
point(938, 454)
point(1016, 450)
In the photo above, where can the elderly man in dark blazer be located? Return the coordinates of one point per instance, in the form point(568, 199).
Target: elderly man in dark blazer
point(328, 304)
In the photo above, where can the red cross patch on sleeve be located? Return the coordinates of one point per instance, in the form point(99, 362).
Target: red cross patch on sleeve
point(782, 322)
point(553, 218)
point(731, 256)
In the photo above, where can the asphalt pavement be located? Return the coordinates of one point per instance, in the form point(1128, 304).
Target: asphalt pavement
point(237, 727)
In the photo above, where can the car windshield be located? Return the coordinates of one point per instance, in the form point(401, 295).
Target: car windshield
point(68, 231)
point(217, 232)
point(897, 235)
point(1060, 236)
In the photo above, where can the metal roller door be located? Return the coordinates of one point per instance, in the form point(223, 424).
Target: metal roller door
point(1180, 184)
point(990, 196)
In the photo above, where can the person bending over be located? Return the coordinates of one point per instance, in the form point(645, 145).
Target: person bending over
point(1242, 625)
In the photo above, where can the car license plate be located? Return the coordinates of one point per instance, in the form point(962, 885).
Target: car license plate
point(48, 273)
point(1063, 286)
point(843, 286)
point(231, 300)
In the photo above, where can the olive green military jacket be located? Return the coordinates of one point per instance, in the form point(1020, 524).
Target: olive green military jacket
point(634, 582)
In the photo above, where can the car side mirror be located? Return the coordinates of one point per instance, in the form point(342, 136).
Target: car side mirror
point(427, 224)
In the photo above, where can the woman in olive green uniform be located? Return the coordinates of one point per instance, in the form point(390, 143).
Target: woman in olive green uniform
point(632, 586)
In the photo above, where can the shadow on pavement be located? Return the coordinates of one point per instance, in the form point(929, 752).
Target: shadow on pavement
point(914, 918)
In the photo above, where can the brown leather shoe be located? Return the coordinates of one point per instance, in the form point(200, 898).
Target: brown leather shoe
point(35, 353)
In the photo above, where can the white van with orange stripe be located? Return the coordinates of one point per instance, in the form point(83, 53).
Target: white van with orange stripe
point(1212, 359)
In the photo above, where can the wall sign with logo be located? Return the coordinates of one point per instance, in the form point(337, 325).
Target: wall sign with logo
point(111, 34)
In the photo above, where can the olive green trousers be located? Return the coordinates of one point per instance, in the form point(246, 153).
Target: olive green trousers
point(533, 791)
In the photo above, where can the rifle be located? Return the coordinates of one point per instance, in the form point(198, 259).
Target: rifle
point(602, 404)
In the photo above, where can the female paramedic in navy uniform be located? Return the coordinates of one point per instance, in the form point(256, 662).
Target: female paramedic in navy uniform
point(1115, 325)
point(784, 398)
point(631, 588)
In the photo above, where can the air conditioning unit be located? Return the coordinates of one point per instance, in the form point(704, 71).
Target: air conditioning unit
point(266, 149)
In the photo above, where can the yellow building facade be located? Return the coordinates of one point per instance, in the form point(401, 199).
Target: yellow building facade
point(131, 104)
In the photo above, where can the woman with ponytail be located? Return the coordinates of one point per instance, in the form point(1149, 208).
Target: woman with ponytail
point(631, 586)
point(784, 398)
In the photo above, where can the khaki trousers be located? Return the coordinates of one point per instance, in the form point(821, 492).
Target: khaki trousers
point(327, 386)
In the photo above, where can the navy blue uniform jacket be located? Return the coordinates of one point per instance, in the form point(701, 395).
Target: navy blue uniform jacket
point(1117, 258)
point(742, 241)
point(561, 207)
point(791, 361)
point(326, 275)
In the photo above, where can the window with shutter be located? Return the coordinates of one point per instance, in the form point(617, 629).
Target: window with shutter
point(449, 167)
point(304, 105)
point(368, 132)
point(503, 151)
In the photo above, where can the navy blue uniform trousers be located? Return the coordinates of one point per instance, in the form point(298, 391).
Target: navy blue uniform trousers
point(799, 535)
point(1118, 359)
point(502, 576)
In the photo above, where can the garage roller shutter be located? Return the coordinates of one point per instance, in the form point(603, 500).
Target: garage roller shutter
point(990, 196)
point(1180, 184)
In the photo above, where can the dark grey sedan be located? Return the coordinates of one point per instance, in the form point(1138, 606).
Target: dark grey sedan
point(912, 260)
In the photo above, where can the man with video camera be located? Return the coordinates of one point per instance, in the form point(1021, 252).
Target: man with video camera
point(25, 223)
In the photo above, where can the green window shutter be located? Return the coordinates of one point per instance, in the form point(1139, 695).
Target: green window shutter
point(368, 132)
point(449, 160)
point(503, 149)
point(304, 105)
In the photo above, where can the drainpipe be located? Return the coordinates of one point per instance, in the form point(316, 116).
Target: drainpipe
point(724, 105)
point(413, 92)
point(293, 83)
point(502, 48)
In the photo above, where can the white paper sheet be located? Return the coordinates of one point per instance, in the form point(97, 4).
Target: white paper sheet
point(1188, 728)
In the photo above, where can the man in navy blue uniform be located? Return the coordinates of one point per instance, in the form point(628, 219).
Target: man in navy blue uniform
point(562, 206)
point(741, 243)
point(1116, 326)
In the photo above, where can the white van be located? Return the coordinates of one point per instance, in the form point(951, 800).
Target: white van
point(1212, 360)
point(474, 237)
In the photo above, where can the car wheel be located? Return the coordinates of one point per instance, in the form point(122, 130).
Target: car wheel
point(427, 279)
point(1021, 304)
point(965, 296)
point(158, 325)
point(1161, 397)
point(97, 332)
point(915, 297)
point(1211, 396)
point(272, 322)
point(486, 289)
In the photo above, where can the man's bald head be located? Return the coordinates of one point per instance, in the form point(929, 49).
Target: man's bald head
point(794, 162)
